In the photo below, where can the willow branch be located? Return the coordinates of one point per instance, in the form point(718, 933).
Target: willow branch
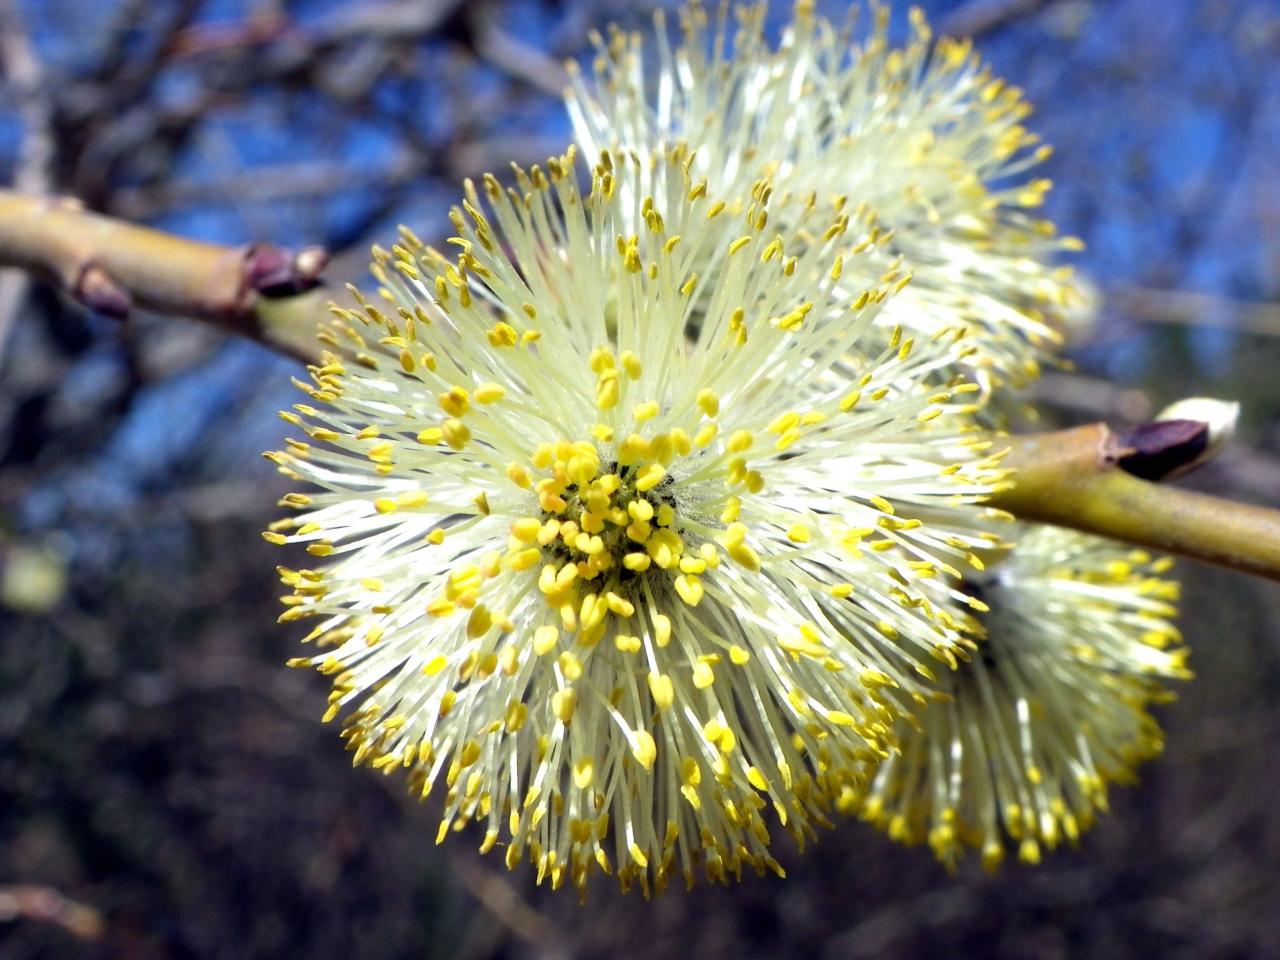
point(1080, 478)
point(258, 291)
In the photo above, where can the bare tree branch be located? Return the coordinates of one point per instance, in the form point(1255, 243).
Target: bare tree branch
point(1075, 478)
point(982, 16)
point(258, 291)
point(46, 905)
point(1185, 308)
point(35, 157)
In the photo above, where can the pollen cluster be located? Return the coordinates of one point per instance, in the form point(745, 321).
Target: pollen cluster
point(1022, 745)
point(625, 593)
point(650, 517)
point(922, 134)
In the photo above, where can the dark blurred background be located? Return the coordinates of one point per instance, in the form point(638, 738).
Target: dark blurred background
point(166, 789)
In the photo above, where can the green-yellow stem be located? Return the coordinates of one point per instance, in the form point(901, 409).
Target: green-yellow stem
point(112, 266)
point(1069, 478)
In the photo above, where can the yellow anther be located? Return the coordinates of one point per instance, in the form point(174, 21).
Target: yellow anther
point(709, 402)
point(627, 643)
point(640, 510)
point(456, 433)
point(638, 562)
point(803, 646)
point(649, 476)
point(787, 439)
point(689, 589)
point(640, 531)
point(882, 504)
point(618, 605)
point(455, 402)
point(690, 564)
point(645, 411)
point(526, 529)
point(607, 390)
point(523, 559)
point(632, 450)
point(733, 507)
point(441, 607)
point(602, 359)
point(502, 335)
point(563, 704)
point(515, 716)
point(663, 690)
point(479, 622)
point(876, 679)
point(489, 393)
point(661, 629)
point(645, 750)
point(570, 665)
point(783, 422)
point(662, 448)
point(545, 639)
point(703, 675)
point(681, 441)
point(518, 475)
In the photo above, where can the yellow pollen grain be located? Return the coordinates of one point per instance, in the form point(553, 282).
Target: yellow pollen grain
point(649, 476)
point(563, 704)
point(637, 562)
point(645, 750)
point(662, 689)
point(545, 639)
point(798, 533)
point(703, 675)
point(662, 629)
point(489, 393)
point(709, 402)
point(644, 411)
point(689, 588)
point(456, 433)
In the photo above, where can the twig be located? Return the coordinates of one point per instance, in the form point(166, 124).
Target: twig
point(259, 291)
point(286, 181)
point(512, 56)
point(1185, 308)
point(47, 905)
point(501, 900)
point(982, 16)
point(1091, 396)
point(1078, 478)
point(26, 76)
